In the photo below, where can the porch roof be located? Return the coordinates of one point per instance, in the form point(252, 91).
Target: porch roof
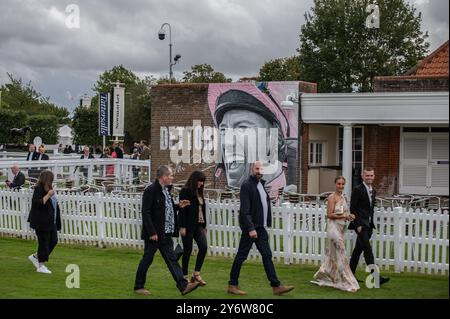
point(388, 108)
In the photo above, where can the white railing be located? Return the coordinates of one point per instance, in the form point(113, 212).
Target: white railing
point(74, 169)
point(405, 240)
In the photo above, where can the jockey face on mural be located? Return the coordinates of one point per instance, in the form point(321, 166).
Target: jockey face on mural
point(237, 162)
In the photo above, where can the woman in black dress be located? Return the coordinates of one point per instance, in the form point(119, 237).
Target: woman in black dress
point(45, 219)
point(192, 223)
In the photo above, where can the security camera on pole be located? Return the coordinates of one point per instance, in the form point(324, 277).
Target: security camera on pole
point(162, 36)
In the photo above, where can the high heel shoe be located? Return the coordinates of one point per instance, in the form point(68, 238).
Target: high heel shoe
point(199, 279)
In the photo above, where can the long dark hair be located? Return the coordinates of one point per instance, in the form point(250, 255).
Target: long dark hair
point(46, 180)
point(192, 183)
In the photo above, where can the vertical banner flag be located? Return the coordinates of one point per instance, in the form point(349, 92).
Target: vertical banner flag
point(103, 114)
point(118, 111)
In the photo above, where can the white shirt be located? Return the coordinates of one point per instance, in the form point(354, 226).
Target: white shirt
point(263, 196)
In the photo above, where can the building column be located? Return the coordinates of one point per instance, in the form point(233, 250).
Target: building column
point(347, 157)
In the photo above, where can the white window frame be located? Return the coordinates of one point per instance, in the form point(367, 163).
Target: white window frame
point(353, 150)
point(323, 157)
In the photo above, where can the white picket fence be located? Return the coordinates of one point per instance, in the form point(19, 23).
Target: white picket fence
point(404, 241)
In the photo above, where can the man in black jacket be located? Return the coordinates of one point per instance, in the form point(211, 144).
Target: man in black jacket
point(159, 226)
point(32, 156)
point(18, 180)
point(362, 205)
point(254, 216)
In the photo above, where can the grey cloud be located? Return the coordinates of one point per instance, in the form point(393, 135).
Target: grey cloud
point(236, 37)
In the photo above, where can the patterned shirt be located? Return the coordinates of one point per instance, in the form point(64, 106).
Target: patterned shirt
point(169, 226)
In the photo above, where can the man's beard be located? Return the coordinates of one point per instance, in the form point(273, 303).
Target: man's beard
point(258, 176)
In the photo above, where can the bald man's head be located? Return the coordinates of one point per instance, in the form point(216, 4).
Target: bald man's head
point(15, 169)
point(257, 169)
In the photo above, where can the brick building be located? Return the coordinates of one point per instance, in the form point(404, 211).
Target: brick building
point(401, 130)
point(178, 106)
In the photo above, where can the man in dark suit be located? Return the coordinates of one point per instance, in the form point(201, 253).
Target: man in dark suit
point(32, 156)
point(18, 180)
point(159, 226)
point(362, 205)
point(118, 149)
point(255, 215)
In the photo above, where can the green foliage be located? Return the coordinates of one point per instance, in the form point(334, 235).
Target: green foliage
point(44, 126)
point(341, 54)
point(204, 73)
point(116, 74)
point(137, 101)
point(12, 119)
point(282, 69)
point(19, 96)
point(85, 126)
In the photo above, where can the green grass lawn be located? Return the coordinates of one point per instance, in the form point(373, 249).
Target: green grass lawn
point(109, 273)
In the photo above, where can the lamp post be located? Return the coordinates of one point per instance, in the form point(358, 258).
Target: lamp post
point(162, 36)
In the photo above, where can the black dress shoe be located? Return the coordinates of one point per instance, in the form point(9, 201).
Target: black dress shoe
point(384, 280)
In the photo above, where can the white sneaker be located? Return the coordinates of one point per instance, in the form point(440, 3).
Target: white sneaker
point(34, 260)
point(43, 269)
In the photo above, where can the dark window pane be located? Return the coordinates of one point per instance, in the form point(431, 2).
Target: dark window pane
point(439, 129)
point(416, 129)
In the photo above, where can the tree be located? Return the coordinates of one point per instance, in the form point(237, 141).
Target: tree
point(204, 73)
point(17, 95)
point(281, 69)
point(49, 131)
point(137, 100)
point(85, 126)
point(11, 119)
point(117, 74)
point(340, 53)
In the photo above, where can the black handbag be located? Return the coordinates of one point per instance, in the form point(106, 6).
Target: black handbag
point(178, 251)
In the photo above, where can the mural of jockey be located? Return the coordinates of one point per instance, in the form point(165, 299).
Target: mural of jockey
point(244, 107)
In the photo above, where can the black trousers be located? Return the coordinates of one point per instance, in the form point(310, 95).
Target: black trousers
point(165, 247)
point(47, 240)
point(198, 234)
point(362, 245)
point(245, 244)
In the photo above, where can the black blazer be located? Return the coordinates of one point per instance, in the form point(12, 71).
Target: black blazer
point(42, 216)
point(18, 180)
point(34, 157)
point(251, 213)
point(90, 156)
point(360, 206)
point(44, 157)
point(154, 212)
point(188, 216)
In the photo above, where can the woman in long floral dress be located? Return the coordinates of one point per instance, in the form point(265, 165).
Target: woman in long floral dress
point(335, 269)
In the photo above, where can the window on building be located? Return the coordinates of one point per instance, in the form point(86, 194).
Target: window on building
point(357, 148)
point(316, 153)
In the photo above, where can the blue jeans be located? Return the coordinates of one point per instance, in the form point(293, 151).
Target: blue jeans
point(262, 244)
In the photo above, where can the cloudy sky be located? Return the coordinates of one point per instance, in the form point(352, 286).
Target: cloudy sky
point(235, 36)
